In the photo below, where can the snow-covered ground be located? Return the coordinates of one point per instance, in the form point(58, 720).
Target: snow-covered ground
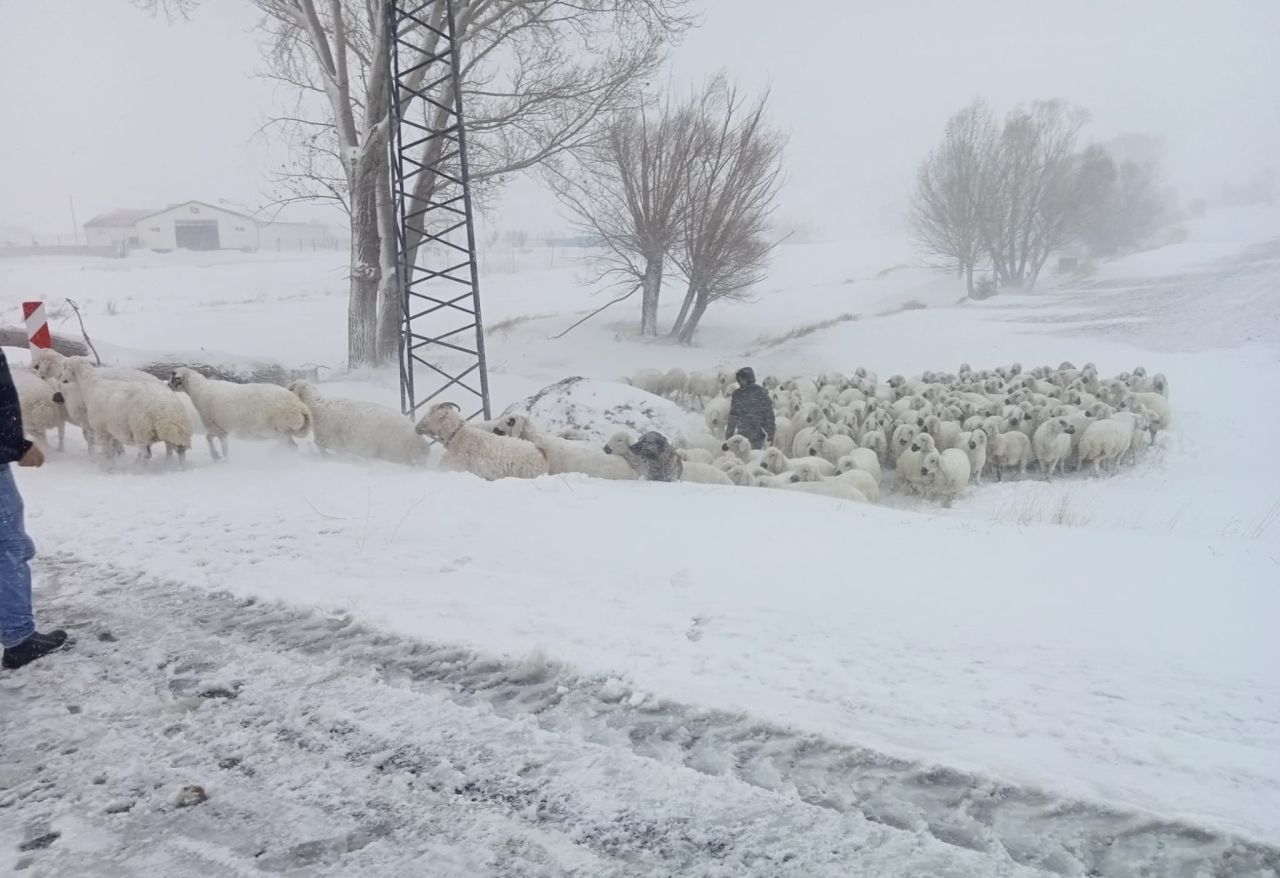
point(1096, 656)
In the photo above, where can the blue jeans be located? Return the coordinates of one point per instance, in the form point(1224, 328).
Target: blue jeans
point(16, 549)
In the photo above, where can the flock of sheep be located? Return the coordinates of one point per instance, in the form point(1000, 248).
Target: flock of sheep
point(117, 407)
point(836, 435)
point(938, 432)
point(841, 435)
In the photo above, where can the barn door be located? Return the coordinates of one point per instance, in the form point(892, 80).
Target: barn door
point(196, 234)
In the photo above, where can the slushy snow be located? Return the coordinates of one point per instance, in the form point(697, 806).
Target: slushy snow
point(998, 688)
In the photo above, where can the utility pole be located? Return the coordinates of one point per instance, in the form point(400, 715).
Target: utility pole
point(437, 275)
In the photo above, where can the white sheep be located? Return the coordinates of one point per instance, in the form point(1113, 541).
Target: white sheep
point(703, 386)
point(804, 438)
point(565, 455)
point(909, 461)
point(776, 462)
point(476, 450)
point(1156, 407)
point(945, 474)
point(766, 479)
point(1052, 444)
point(830, 448)
point(364, 429)
point(974, 444)
point(252, 411)
point(1104, 442)
point(716, 415)
point(648, 380)
point(703, 474)
point(40, 412)
point(695, 455)
point(50, 365)
point(839, 488)
point(1008, 450)
point(863, 459)
point(738, 449)
point(1139, 423)
point(860, 479)
point(136, 413)
point(784, 433)
point(945, 433)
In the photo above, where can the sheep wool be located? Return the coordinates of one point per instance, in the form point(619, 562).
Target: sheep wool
point(480, 451)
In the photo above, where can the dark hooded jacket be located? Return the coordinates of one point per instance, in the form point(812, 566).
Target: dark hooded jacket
point(751, 411)
point(13, 444)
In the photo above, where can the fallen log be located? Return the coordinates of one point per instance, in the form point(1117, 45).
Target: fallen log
point(211, 364)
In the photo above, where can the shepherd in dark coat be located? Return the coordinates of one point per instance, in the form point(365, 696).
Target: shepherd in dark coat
point(751, 411)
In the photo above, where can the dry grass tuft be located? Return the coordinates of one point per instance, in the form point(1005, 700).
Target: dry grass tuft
point(1030, 509)
point(512, 322)
point(772, 341)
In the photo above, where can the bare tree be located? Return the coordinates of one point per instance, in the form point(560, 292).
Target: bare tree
point(628, 191)
point(1031, 203)
point(529, 96)
point(731, 190)
point(947, 210)
point(1125, 201)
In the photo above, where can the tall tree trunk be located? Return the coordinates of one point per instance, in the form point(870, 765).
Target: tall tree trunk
point(366, 271)
point(390, 301)
point(684, 312)
point(695, 317)
point(651, 288)
point(968, 278)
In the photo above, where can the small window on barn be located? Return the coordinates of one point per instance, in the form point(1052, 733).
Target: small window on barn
point(155, 228)
point(239, 228)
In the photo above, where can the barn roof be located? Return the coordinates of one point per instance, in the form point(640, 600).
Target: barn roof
point(150, 213)
point(129, 216)
point(126, 216)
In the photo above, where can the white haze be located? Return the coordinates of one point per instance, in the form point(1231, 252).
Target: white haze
point(147, 113)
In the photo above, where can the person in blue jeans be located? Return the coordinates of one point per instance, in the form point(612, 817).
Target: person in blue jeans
point(22, 643)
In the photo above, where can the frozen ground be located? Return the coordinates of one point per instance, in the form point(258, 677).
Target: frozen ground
point(1072, 677)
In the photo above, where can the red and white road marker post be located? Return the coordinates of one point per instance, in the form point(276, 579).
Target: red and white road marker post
point(37, 325)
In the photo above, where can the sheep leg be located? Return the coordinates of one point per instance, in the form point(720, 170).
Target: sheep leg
point(213, 448)
point(182, 457)
point(62, 436)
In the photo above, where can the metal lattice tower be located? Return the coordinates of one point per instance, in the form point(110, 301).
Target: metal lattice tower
point(441, 334)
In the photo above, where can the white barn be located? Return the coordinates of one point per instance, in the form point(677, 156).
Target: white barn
point(195, 225)
point(116, 228)
point(198, 225)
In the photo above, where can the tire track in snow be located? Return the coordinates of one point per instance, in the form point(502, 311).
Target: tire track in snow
point(566, 764)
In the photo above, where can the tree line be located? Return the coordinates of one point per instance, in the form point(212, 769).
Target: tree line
point(1004, 196)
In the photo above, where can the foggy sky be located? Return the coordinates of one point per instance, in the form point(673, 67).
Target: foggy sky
point(114, 108)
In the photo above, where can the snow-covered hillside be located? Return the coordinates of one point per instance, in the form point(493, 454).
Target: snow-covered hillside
point(997, 688)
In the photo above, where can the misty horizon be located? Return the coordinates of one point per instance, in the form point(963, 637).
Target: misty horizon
point(159, 112)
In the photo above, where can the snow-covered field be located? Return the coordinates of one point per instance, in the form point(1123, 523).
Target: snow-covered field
point(1050, 677)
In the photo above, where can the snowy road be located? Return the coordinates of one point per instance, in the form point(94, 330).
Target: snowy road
point(329, 748)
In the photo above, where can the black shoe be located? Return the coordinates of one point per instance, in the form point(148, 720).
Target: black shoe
point(34, 647)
